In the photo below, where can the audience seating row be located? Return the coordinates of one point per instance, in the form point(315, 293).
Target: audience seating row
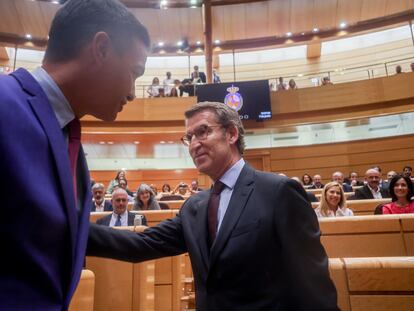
point(345, 237)
point(379, 283)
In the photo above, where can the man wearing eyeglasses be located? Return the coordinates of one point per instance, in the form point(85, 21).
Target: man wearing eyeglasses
point(253, 239)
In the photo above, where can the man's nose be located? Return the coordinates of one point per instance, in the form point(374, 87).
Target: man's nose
point(131, 95)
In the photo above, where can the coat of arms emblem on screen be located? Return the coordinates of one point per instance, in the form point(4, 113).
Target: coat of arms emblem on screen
point(234, 99)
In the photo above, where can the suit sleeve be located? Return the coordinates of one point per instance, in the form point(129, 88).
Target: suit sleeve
point(165, 239)
point(305, 262)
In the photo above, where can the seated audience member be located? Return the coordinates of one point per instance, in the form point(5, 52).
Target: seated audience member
point(154, 189)
point(99, 204)
point(194, 188)
point(407, 170)
point(292, 84)
point(339, 178)
point(281, 86)
point(402, 191)
point(175, 90)
point(145, 199)
point(120, 215)
point(216, 78)
point(161, 92)
point(326, 81)
point(168, 84)
point(372, 189)
point(198, 76)
point(378, 168)
point(154, 89)
point(123, 184)
point(182, 189)
point(398, 69)
point(353, 180)
point(412, 67)
point(307, 181)
point(386, 184)
point(188, 87)
point(311, 197)
point(166, 188)
point(333, 202)
point(317, 182)
point(114, 182)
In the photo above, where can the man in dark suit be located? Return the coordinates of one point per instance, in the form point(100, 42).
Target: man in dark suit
point(99, 204)
point(89, 67)
point(198, 76)
point(371, 190)
point(120, 216)
point(253, 240)
point(339, 178)
point(317, 182)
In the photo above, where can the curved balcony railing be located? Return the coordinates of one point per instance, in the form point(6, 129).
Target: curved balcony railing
point(304, 80)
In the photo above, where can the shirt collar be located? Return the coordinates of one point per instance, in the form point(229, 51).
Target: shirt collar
point(123, 215)
point(230, 176)
point(58, 101)
point(372, 190)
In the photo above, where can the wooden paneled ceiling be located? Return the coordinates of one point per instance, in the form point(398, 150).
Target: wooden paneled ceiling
point(233, 21)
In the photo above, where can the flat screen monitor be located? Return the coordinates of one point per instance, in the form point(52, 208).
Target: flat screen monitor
point(250, 98)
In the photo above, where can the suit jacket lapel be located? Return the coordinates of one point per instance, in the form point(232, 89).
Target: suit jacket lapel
point(238, 200)
point(44, 112)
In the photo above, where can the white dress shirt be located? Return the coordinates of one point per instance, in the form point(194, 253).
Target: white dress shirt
point(229, 180)
point(124, 219)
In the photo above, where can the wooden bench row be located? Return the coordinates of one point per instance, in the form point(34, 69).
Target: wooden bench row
point(377, 283)
point(359, 207)
point(380, 284)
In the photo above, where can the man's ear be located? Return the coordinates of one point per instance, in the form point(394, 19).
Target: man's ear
point(233, 133)
point(101, 47)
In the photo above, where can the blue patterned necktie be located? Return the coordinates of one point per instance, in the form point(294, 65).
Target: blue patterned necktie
point(118, 221)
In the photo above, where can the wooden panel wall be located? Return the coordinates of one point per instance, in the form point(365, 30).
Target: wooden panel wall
point(156, 177)
point(389, 153)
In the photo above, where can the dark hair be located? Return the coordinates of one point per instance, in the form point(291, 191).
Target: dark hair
point(303, 179)
point(117, 174)
point(226, 117)
point(408, 167)
point(410, 187)
point(76, 23)
point(165, 185)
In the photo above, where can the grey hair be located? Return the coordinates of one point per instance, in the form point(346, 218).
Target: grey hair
point(226, 117)
point(143, 188)
point(98, 186)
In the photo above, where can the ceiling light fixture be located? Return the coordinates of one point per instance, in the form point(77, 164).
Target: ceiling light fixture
point(289, 34)
point(180, 43)
point(28, 36)
point(343, 25)
point(217, 41)
point(160, 43)
point(315, 29)
point(198, 42)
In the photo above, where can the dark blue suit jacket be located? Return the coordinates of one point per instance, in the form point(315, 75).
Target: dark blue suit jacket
point(43, 234)
point(267, 255)
point(106, 220)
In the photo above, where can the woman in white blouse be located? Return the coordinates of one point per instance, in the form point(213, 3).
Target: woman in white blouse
point(333, 202)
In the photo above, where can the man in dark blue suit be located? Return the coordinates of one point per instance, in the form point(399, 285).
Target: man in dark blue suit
point(99, 204)
point(339, 178)
point(96, 50)
point(121, 216)
point(253, 239)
